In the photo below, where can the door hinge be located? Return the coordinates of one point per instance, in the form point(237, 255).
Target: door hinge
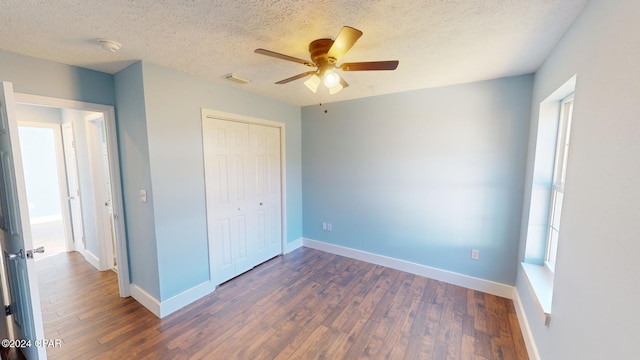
point(7, 310)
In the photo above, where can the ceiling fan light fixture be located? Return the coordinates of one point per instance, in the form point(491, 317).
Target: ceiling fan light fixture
point(313, 82)
point(336, 89)
point(330, 79)
point(325, 54)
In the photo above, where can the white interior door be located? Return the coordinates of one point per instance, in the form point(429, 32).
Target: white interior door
point(242, 172)
point(101, 179)
point(16, 243)
point(73, 187)
point(225, 171)
point(264, 156)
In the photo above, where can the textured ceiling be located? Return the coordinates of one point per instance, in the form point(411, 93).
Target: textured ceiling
point(438, 42)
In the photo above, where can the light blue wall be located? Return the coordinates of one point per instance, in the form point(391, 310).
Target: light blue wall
point(35, 76)
point(173, 103)
point(40, 114)
point(135, 172)
point(423, 176)
point(596, 294)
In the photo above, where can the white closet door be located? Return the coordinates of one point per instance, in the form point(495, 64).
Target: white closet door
point(225, 168)
point(242, 162)
point(264, 155)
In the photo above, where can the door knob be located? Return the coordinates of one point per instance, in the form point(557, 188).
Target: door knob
point(39, 250)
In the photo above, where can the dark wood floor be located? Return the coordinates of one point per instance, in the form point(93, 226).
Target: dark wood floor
point(304, 305)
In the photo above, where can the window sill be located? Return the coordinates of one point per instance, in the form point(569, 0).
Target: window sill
point(540, 282)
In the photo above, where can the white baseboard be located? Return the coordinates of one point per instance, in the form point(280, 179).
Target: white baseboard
point(164, 308)
point(450, 277)
point(524, 327)
point(91, 259)
point(291, 246)
point(171, 305)
point(148, 301)
point(185, 298)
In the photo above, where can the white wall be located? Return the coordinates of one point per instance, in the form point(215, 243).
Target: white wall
point(596, 294)
point(39, 161)
point(37, 145)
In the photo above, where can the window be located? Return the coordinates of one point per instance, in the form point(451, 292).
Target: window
point(549, 169)
point(559, 175)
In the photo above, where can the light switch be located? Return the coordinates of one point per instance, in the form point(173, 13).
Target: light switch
point(143, 195)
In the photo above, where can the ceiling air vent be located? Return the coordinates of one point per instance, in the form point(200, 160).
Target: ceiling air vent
point(235, 79)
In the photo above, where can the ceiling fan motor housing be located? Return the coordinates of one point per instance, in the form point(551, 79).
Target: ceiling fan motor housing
point(319, 49)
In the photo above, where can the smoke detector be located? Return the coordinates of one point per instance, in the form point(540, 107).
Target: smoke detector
point(109, 45)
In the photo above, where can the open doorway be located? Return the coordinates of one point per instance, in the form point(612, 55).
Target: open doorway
point(68, 182)
point(23, 315)
point(85, 163)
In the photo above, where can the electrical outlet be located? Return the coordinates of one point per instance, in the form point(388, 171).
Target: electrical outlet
point(475, 254)
point(329, 227)
point(324, 226)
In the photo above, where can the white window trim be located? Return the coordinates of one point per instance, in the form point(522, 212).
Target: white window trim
point(540, 283)
point(559, 171)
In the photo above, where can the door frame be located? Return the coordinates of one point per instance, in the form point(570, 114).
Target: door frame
point(114, 167)
point(62, 177)
point(221, 115)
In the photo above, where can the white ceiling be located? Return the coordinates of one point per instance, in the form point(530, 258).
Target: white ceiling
point(438, 42)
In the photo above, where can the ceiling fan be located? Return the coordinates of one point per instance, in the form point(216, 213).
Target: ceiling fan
point(325, 53)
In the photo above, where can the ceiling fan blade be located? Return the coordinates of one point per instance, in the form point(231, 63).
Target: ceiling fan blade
point(299, 76)
point(284, 57)
point(345, 40)
point(371, 65)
